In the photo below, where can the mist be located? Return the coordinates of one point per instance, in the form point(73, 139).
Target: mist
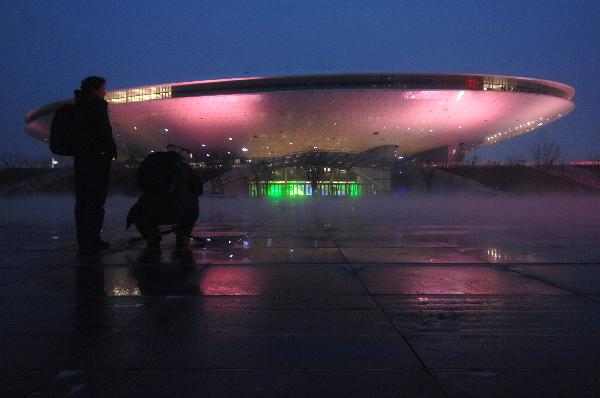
point(548, 210)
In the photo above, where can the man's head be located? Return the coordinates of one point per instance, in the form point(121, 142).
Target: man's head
point(95, 85)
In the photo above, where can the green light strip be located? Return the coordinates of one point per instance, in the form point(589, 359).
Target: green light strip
point(293, 188)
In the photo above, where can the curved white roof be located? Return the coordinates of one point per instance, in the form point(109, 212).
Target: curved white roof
point(258, 117)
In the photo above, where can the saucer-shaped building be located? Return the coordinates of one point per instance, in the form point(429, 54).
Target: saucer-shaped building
point(342, 113)
point(355, 126)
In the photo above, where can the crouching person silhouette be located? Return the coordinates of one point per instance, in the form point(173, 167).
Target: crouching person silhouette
point(170, 191)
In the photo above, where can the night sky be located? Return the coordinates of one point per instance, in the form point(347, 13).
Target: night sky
point(47, 47)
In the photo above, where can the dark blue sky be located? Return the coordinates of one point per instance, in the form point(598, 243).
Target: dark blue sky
point(47, 47)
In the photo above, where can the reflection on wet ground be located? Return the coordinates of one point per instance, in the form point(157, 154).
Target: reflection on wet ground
point(289, 301)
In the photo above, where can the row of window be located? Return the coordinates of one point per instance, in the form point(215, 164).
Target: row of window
point(139, 94)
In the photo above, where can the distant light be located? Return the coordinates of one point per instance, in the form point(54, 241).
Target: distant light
point(400, 157)
point(315, 147)
point(460, 127)
point(167, 130)
point(291, 143)
point(230, 139)
point(231, 256)
point(244, 149)
point(229, 153)
point(207, 155)
point(460, 94)
point(135, 127)
point(203, 145)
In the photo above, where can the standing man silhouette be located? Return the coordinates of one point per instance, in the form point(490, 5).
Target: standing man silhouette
point(94, 151)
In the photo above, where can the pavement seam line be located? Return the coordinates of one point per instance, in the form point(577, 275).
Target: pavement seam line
point(27, 277)
point(538, 279)
point(427, 370)
point(436, 382)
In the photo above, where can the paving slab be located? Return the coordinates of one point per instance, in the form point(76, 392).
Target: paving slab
point(19, 383)
point(410, 255)
point(286, 243)
point(580, 278)
point(94, 315)
point(502, 351)
point(313, 315)
point(449, 279)
point(35, 258)
point(241, 383)
point(520, 383)
point(477, 314)
point(291, 255)
point(75, 283)
point(43, 352)
point(278, 279)
point(8, 275)
point(250, 351)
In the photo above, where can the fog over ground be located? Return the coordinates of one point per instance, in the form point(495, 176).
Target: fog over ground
point(408, 209)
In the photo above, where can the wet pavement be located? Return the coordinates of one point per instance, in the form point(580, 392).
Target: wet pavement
point(288, 300)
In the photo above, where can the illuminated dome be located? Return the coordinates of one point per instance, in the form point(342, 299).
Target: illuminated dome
point(347, 113)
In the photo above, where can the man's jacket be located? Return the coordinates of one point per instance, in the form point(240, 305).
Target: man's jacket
point(95, 132)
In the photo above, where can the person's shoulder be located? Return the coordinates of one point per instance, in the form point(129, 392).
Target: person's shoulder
point(92, 101)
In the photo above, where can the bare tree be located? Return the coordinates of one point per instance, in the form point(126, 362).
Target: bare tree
point(261, 172)
point(594, 157)
point(516, 160)
point(545, 154)
point(313, 167)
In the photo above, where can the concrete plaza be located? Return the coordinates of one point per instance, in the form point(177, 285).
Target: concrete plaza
point(333, 298)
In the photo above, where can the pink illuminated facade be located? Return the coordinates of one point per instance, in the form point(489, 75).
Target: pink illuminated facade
point(351, 113)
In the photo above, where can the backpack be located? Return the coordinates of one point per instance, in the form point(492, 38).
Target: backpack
point(158, 172)
point(63, 130)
